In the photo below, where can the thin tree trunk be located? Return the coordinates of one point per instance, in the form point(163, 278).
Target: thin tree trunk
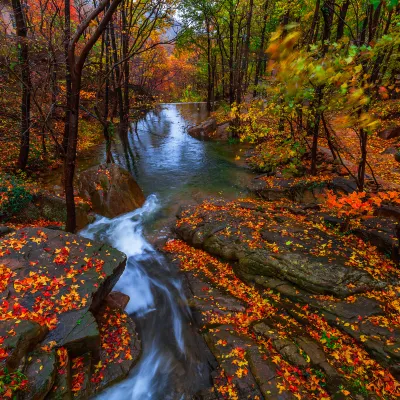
point(231, 52)
point(260, 56)
point(314, 29)
point(245, 58)
point(68, 84)
point(23, 49)
point(209, 67)
point(125, 39)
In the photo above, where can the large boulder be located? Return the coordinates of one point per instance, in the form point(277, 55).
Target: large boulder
point(111, 190)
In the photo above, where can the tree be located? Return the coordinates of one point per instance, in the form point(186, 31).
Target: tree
point(23, 50)
point(76, 63)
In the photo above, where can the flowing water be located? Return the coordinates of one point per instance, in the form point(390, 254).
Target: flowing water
point(172, 168)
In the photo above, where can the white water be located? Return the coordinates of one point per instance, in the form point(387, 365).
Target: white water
point(156, 301)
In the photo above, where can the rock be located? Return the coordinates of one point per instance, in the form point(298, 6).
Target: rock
point(53, 208)
point(61, 389)
point(222, 132)
point(27, 335)
point(4, 230)
point(205, 131)
point(292, 263)
point(319, 360)
point(40, 372)
point(117, 300)
point(77, 332)
point(111, 190)
point(291, 189)
point(390, 150)
point(81, 370)
point(118, 326)
point(246, 386)
point(59, 280)
point(390, 133)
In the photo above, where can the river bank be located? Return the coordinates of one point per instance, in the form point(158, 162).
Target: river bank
point(279, 297)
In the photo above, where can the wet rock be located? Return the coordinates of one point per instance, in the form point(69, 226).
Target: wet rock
point(61, 389)
point(114, 370)
point(300, 191)
point(19, 339)
point(318, 359)
point(78, 333)
point(117, 300)
point(81, 373)
point(390, 150)
point(40, 372)
point(294, 264)
point(245, 385)
point(205, 131)
point(222, 132)
point(265, 374)
point(111, 190)
point(390, 133)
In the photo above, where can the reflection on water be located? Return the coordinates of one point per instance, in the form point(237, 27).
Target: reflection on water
point(165, 160)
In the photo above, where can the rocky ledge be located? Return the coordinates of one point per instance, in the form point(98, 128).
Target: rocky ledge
point(290, 306)
point(63, 335)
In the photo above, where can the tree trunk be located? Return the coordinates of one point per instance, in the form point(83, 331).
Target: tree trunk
point(313, 29)
point(209, 67)
point(22, 33)
point(245, 58)
point(260, 56)
point(125, 122)
point(231, 52)
point(68, 84)
point(70, 156)
point(342, 20)
point(118, 88)
point(76, 63)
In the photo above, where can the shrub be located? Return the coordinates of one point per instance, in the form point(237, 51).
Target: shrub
point(13, 196)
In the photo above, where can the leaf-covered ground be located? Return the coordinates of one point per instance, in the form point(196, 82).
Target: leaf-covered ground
point(50, 283)
point(323, 341)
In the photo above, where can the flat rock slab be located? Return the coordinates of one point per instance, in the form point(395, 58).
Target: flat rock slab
point(270, 242)
point(328, 312)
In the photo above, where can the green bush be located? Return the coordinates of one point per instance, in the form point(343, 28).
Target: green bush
point(13, 197)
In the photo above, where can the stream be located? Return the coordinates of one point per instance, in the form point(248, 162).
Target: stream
point(172, 168)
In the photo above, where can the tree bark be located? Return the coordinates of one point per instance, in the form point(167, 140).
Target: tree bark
point(342, 20)
point(68, 83)
point(23, 49)
point(260, 56)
